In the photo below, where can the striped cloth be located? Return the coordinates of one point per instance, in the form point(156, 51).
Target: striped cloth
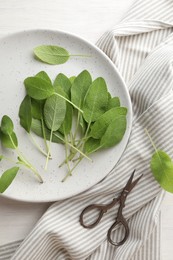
point(141, 47)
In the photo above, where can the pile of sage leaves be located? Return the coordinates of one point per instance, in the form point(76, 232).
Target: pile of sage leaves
point(77, 112)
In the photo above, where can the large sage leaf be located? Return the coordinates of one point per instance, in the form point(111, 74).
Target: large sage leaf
point(96, 100)
point(64, 82)
point(54, 112)
point(101, 124)
point(38, 88)
point(37, 108)
point(162, 169)
point(25, 113)
point(7, 178)
point(80, 87)
point(114, 133)
point(51, 54)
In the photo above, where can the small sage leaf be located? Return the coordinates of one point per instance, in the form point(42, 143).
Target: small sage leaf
point(51, 54)
point(7, 125)
point(7, 178)
point(25, 113)
point(9, 141)
point(101, 124)
point(113, 102)
point(38, 88)
point(162, 169)
point(67, 123)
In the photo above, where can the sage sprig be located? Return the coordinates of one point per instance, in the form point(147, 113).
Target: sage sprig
point(9, 140)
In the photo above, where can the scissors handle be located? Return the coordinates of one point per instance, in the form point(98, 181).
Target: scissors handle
point(124, 223)
point(103, 208)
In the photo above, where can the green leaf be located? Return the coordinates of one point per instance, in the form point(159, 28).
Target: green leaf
point(7, 125)
point(96, 100)
point(25, 113)
point(83, 124)
point(36, 127)
point(43, 75)
point(162, 169)
point(51, 54)
point(67, 123)
point(101, 124)
point(7, 178)
point(80, 87)
point(37, 108)
point(38, 88)
point(1, 157)
point(64, 82)
point(72, 78)
point(9, 141)
point(114, 133)
point(113, 102)
point(54, 112)
point(91, 145)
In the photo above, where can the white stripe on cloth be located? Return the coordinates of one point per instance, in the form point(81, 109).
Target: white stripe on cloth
point(142, 44)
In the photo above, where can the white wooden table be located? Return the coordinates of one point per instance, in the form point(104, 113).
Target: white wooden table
point(89, 19)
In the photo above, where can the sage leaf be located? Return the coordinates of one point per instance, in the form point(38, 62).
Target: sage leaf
point(114, 133)
point(38, 88)
point(9, 141)
point(113, 102)
point(80, 87)
point(7, 125)
point(64, 82)
point(96, 100)
point(162, 168)
point(91, 145)
point(43, 75)
point(72, 78)
point(25, 113)
point(67, 123)
point(54, 112)
point(37, 108)
point(101, 124)
point(7, 178)
point(36, 127)
point(51, 54)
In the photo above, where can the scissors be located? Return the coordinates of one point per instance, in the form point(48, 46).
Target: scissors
point(103, 208)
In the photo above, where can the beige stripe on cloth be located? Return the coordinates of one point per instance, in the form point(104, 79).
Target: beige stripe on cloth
point(141, 47)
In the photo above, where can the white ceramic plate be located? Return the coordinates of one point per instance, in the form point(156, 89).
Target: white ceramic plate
point(17, 63)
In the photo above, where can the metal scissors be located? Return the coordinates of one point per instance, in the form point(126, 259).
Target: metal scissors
point(103, 208)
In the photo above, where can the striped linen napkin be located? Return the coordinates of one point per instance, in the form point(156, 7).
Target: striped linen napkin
point(141, 47)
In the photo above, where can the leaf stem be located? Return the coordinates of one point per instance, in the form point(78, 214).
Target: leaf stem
point(66, 99)
point(44, 135)
point(36, 145)
point(70, 173)
point(48, 154)
point(151, 140)
point(25, 161)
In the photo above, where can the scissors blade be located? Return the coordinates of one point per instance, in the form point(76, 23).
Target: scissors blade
point(130, 185)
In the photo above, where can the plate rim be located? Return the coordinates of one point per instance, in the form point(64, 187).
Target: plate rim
point(3, 37)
